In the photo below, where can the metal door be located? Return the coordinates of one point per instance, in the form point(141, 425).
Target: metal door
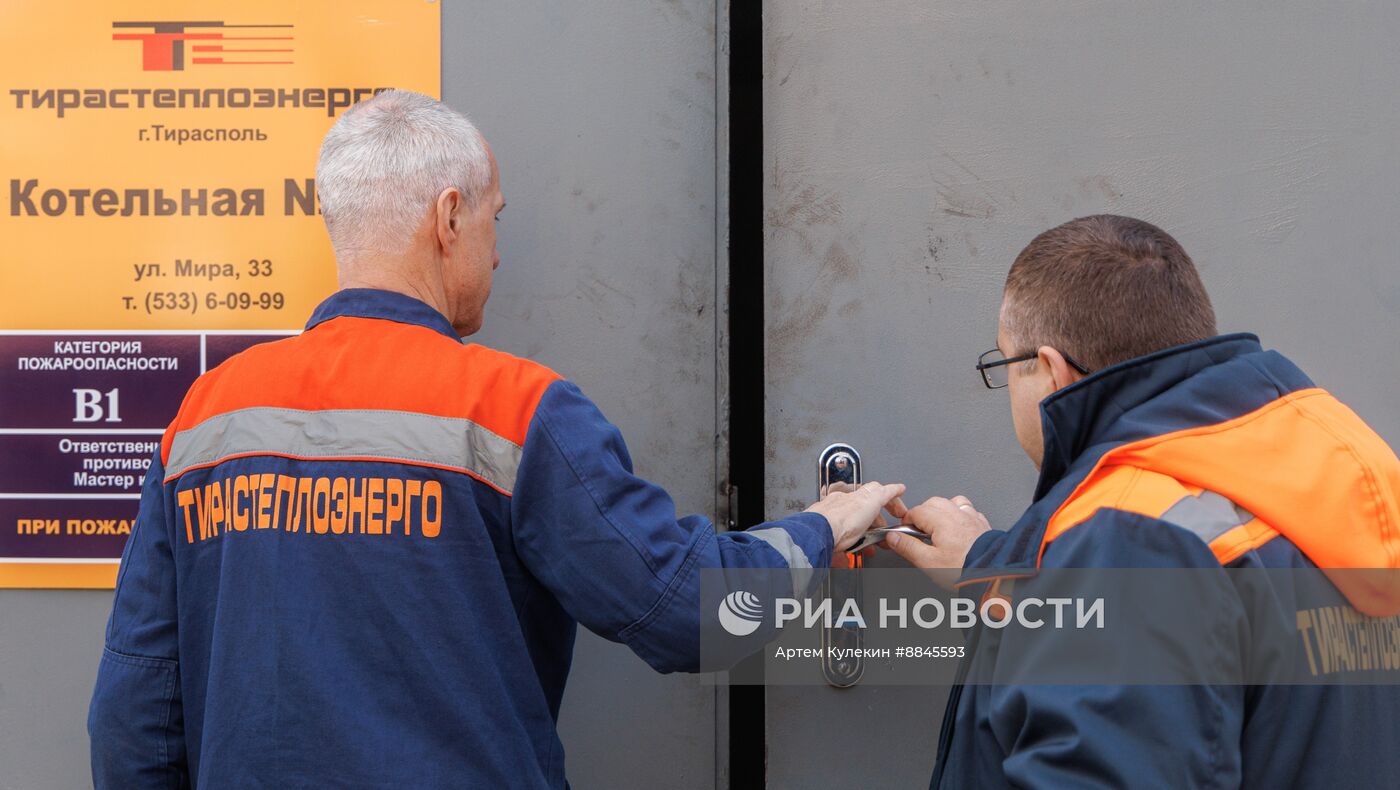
point(913, 147)
point(602, 116)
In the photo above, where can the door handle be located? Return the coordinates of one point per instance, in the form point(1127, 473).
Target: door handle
point(839, 464)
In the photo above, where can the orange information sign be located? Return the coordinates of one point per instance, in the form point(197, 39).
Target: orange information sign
point(158, 162)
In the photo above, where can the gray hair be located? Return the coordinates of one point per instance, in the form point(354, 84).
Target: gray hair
point(384, 163)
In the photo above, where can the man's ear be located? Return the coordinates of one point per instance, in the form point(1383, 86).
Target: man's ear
point(447, 220)
point(1062, 374)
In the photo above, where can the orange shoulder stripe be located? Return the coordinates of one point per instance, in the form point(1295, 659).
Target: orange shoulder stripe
point(1118, 487)
point(1347, 517)
point(1121, 480)
point(370, 363)
point(1151, 494)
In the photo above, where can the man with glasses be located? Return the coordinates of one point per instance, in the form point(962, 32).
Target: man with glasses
point(1163, 445)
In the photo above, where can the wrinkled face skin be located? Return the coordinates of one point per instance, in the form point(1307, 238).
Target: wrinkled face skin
point(467, 251)
point(1029, 383)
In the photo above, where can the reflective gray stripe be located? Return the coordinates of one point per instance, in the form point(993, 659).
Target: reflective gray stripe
point(349, 433)
point(1209, 515)
point(796, 558)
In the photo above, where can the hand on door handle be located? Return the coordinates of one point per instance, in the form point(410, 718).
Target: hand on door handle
point(952, 526)
point(851, 513)
point(864, 547)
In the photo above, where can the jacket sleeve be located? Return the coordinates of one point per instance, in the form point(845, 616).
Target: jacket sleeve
point(609, 544)
point(135, 721)
point(1144, 734)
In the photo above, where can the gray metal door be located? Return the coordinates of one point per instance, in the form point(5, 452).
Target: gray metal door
point(602, 116)
point(913, 147)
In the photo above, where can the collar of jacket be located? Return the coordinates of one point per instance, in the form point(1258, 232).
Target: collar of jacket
point(1184, 386)
point(388, 305)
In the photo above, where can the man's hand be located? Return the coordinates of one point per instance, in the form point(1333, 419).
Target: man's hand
point(953, 524)
point(851, 513)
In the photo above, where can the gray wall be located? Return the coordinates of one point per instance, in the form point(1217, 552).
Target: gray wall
point(914, 146)
point(602, 116)
point(50, 641)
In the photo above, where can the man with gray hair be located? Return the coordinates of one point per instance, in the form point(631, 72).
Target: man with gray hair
point(361, 552)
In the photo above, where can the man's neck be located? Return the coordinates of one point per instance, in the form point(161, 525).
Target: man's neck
point(387, 278)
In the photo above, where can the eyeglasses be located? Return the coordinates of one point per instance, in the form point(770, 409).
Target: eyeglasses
point(992, 365)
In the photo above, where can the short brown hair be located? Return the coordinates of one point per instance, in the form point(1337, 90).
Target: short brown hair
point(1104, 289)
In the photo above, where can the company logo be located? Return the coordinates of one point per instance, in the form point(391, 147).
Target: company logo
point(740, 613)
point(163, 44)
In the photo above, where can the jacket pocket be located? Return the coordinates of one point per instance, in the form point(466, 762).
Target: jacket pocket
point(135, 722)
